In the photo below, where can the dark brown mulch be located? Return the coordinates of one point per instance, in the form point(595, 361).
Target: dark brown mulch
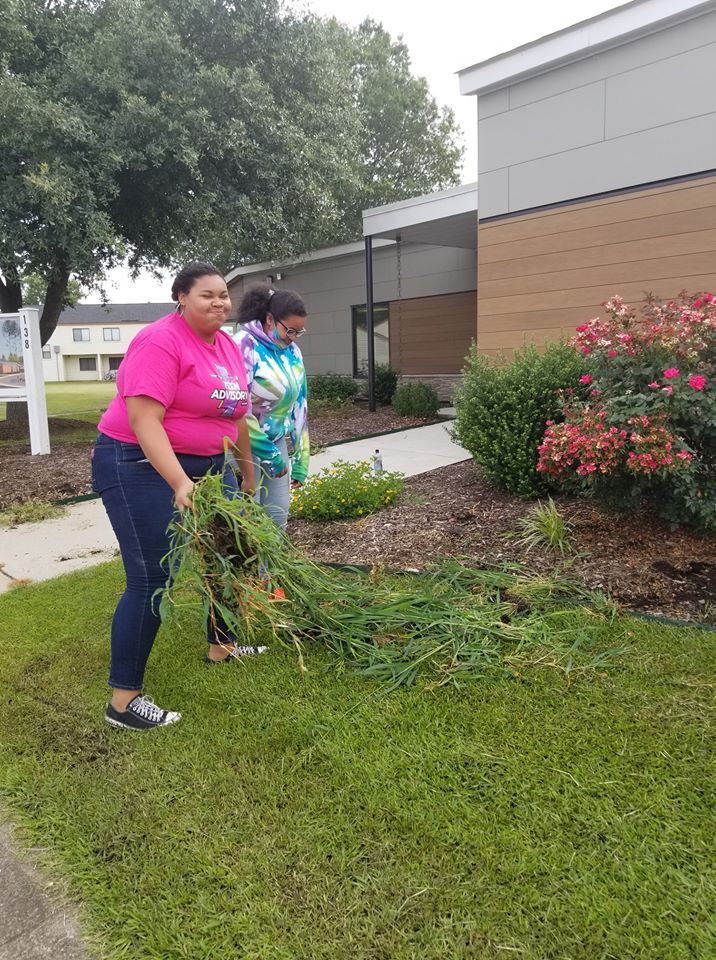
point(61, 474)
point(455, 512)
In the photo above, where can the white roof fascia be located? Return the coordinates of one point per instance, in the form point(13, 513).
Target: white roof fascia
point(603, 32)
point(329, 253)
point(431, 206)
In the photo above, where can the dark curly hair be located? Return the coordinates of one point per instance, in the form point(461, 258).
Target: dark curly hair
point(188, 275)
point(261, 300)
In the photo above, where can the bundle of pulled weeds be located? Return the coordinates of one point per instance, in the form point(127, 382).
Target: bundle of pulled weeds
point(447, 624)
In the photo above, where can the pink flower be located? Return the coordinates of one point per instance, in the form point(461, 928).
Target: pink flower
point(612, 353)
point(671, 373)
point(585, 379)
point(697, 382)
point(685, 455)
point(698, 304)
point(654, 385)
point(667, 390)
point(594, 393)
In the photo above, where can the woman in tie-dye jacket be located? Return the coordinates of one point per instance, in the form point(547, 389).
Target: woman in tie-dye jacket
point(272, 321)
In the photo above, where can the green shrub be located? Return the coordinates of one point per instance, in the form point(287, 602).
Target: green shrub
point(318, 408)
point(416, 400)
point(333, 387)
point(386, 382)
point(501, 409)
point(345, 490)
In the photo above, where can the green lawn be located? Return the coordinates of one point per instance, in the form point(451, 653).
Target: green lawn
point(79, 400)
point(75, 400)
point(288, 818)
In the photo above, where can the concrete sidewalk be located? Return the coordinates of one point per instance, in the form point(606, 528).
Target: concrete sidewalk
point(83, 537)
point(35, 924)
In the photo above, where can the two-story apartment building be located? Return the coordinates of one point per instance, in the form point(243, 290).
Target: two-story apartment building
point(91, 338)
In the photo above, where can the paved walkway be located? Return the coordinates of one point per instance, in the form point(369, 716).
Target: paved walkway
point(82, 537)
point(35, 924)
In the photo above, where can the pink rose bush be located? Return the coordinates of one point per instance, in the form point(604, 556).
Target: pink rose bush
point(641, 422)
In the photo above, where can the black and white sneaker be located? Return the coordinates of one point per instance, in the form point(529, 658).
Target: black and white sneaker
point(235, 654)
point(142, 713)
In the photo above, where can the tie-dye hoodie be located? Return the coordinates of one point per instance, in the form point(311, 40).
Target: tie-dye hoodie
point(278, 400)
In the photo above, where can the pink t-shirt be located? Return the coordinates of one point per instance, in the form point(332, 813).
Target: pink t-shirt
point(202, 386)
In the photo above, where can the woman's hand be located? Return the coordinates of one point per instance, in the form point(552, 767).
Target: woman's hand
point(182, 494)
point(283, 473)
point(248, 483)
point(295, 484)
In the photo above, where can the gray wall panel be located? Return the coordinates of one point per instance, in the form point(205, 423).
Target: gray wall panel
point(493, 103)
point(642, 112)
point(493, 192)
point(643, 157)
point(664, 92)
point(637, 53)
point(331, 287)
point(568, 120)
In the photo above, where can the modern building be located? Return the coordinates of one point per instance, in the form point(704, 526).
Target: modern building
point(424, 271)
point(91, 339)
point(596, 176)
point(597, 168)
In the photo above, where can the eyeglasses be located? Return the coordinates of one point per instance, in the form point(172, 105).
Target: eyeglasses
point(292, 333)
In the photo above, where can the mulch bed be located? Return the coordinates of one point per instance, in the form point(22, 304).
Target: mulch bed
point(455, 512)
point(448, 512)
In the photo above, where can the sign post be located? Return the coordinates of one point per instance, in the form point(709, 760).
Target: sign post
point(21, 372)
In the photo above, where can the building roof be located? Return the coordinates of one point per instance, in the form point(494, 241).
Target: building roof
point(271, 266)
point(86, 314)
point(445, 218)
point(579, 41)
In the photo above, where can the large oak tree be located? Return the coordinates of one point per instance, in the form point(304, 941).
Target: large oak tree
point(160, 130)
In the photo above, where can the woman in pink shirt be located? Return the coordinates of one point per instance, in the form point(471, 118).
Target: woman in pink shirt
point(181, 390)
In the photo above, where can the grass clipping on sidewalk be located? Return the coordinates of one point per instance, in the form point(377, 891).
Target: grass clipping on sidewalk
point(449, 624)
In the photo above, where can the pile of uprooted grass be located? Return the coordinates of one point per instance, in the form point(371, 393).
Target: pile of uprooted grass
point(449, 623)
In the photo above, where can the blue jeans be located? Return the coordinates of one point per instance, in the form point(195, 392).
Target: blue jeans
point(274, 493)
point(140, 505)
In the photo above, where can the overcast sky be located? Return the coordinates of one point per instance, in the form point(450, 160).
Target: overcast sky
point(442, 38)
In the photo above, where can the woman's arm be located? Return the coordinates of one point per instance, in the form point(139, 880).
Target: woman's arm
point(146, 418)
point(245, 459)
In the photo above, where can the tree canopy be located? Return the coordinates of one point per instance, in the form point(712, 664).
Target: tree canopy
point(161, 130)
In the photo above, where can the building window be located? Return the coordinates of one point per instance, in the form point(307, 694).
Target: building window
point(110, 333)
point(381, 337)
point(46, 353)
point(114, 362)
point(88, 364)
point(80, 334)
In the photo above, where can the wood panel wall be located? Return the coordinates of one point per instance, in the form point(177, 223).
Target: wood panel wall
point(542, 274)
point(432, 335)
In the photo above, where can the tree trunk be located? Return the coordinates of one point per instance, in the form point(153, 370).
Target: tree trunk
point(54, 301)
point(10, 290)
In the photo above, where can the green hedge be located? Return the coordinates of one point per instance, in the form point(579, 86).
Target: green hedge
point(501, 409)
point(416, 400)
